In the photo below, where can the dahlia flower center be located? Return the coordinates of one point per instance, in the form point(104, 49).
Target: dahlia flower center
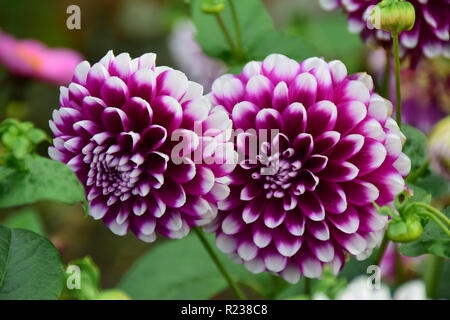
point(289, 171)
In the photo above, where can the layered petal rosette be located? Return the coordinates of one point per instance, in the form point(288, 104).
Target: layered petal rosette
point(326, 147)
point(429, 37)
point(126, 127)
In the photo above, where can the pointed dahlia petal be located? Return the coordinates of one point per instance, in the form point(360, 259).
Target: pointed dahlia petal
point(332, 196)
point(114, 92)
point(310, 266)
point(347, 147)
point(286, 243)
point(167, 112)
point(247, 250)
point(294, 119)
point(262, 236)
point(202, 182)
point(326, 141)
point(303, 89)
point(172, 194)
point(322, 250)
point(311, 206)
point(339, 171)
point(244, 114)
point(347, 222)
point(226, 243)
point(274, 213)
point(295, 223)
point(259, 91)
point(273, 260)
point(321, 117)
point(280, 97)
point(353, 243)
point(279, 68)
point(142, 84)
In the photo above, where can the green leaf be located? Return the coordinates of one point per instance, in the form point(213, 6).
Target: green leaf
point(415, 146)
point(36, 136)
point(182, 269)
point(89, 280)
point(436, 185)
point(278, 42)
point(30, 266)
point(44, 179)
point(433, 240)
point(27, 219)
point(259, 36)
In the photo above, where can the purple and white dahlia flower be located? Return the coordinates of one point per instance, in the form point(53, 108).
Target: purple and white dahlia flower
point(429, 37)
point(336, 151)
point(115, 129)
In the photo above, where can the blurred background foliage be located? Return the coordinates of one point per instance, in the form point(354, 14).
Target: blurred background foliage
point(134, 26)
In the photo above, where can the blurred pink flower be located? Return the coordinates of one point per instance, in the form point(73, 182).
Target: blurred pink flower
point(388, 264)
point(33, 59)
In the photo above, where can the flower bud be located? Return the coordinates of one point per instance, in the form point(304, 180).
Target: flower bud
point(212, 6)
point(405, 231)
point(393, 16)
point(439, 147)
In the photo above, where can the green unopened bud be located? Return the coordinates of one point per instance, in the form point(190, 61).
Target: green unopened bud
point(212, 6)
point(405, 231)
point(393, 16)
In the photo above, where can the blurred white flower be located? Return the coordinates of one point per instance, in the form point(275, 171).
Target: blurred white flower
point(359, 290)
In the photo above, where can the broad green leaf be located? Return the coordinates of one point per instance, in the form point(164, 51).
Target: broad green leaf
point(436, 185)
point(44, 179)
point(253, 22)
point(182, 269)
point(259, 36)
point(30, 266)
point(415, 146)
point(278, 42)
point(433, 240)
point(25, 219)
point(335, 40)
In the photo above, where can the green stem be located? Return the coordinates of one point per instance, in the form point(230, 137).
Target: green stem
point(237, 291)
point(398, 94)
point(308, 288)
point(439, 223)
point(414, 176)
point(387, 75)
point(432, 276)
point(225, 33)
point(381, 250)
point(237, 28)
point(435, 211)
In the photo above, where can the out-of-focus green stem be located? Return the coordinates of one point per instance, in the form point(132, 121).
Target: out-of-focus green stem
point(225, 33)
point(237, 291)
point(398, 94)
point(414, 176)
point(387, 76)
point(237, 29)
point(308, 288)
point(439, 223)
point(434, 265)
point(434, 211)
